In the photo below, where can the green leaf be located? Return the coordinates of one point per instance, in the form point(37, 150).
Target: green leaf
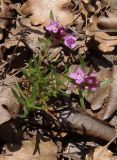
point(17, 96)
point(25, 73)
point(34, 92)
point(51, 15)
point(26, 112)
point(20, 91)
point(85, 93)
point(82, 102)
point(82, 63)
point(106, 82)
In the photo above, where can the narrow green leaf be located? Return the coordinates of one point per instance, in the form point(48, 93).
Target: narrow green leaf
point(25, 113)
point(106, 82)
point(34, 92)
point(25, 73)
point(82, 102)
point(51, 15)
point(20, 99)
point(82, 63)
point(20, 91)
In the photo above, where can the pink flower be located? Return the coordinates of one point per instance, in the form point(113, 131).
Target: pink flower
point(91, 82)
point(70, 41)
point(78, 76)
point(84, 81)
point(53, 27)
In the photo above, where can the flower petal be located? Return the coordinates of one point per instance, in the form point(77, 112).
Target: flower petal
point(73, 75)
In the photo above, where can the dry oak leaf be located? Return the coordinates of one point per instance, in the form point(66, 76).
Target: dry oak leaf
point(101, 153)
point(5, 12)
point(109, 22)
point(40, 11)
point(46, 151)
point(112, 100)
point(106, 42)
point(9, 106)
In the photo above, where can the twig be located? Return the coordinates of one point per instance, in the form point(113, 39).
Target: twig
point(4, 64)
point(106, 146)
point(2, 17)
point(20, 70)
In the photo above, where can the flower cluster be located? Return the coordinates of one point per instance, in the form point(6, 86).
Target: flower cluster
point(60, 33)
point(85, 81)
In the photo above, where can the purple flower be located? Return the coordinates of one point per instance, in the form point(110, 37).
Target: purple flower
point(53, 27)
point(91, 82)
point(78, 76)
point(70, 41)
point(84, 81)
point(62, 31)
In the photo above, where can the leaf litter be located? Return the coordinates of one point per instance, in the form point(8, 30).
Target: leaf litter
point(93, 26)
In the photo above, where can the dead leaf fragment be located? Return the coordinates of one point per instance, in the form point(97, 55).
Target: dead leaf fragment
point(5, 12)
point(101, 153)
point(109, 22)
point(40, 11)
point(112, 101)
point(47, 151)
point(9, 106)
point(83, 122)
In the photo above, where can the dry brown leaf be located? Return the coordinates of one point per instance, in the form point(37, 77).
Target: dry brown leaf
point(5, 12)
point(100, 153)
point(4, 115)
point(109, 22)
point(47, 151)
point(86, 1)
point(97, 98)
point(9, 106)
point(106, 42)
point(112, 101)
point(40, 11)
point(82, 122)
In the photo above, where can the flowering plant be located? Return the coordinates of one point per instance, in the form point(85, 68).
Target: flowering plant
point(85, 81)
point(60, 33)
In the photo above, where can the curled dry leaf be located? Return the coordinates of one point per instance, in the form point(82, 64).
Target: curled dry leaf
point(40, 11)
point(85, 123)
point(112, 101)
point(9, 106)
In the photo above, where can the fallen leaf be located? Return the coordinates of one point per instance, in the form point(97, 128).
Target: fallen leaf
point(106, 42)
point(112, 101)
point(40, 11)
point(5, 12)
point(82, 122)
point(109, 22)
point(9, 106)
point(99, 98)
point(100, 153)
point(46, 150)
